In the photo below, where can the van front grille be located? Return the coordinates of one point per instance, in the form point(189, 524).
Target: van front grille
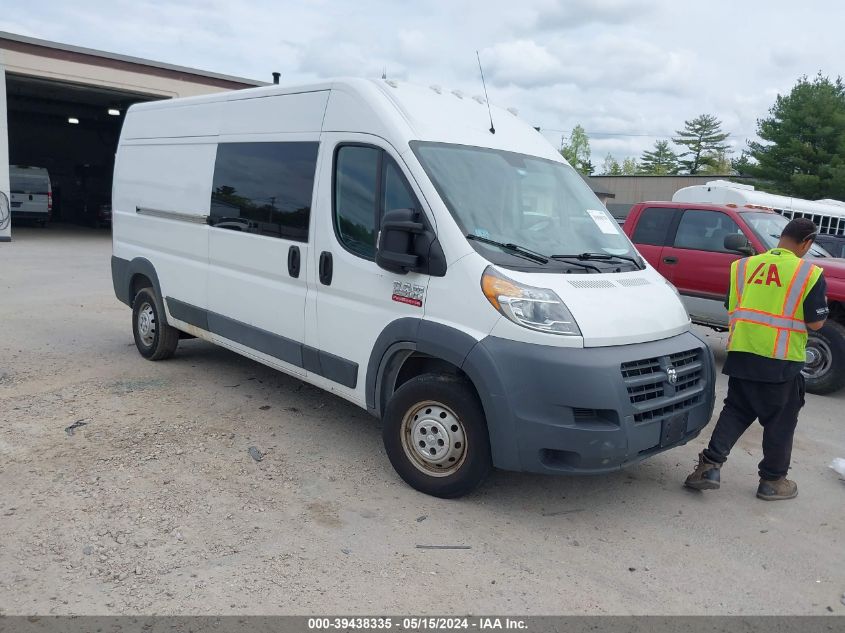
point(662, 412)
point(640, 367)
point(665, 385)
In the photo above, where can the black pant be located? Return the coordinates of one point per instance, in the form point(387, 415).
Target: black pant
point(776, 405)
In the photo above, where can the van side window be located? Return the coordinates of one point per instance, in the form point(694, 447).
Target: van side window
point(397, 194)
point(264, 188)
point(653, 226)
point(367, 183)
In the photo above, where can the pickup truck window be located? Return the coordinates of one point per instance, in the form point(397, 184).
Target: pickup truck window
point(653, 226)
point(705, 231)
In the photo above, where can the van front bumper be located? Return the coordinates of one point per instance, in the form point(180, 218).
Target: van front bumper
point(591, 410)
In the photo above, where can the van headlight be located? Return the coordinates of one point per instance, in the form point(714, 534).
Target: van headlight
point(535, 308)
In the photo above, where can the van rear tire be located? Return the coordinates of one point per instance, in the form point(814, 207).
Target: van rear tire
point(154, 338)
point(435, 435)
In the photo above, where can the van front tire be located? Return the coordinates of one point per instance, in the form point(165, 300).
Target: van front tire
point(154, 338)
point(435, 435)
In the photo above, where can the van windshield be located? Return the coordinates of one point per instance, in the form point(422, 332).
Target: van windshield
point(769, 226)
point(539, 205)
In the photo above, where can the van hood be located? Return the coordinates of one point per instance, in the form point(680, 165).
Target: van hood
point(617, 308)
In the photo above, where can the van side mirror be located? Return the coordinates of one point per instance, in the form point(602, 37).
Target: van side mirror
point(738, 243)
point(395, 247)
point(407, 244)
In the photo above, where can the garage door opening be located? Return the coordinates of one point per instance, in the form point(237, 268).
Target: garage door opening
point(72, 130)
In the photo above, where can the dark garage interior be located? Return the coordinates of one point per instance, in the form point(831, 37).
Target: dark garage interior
point(72, 130)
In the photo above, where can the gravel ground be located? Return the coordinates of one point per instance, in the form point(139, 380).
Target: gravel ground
point(153, 503)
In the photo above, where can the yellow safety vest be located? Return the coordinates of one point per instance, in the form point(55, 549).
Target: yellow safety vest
point(766, 304)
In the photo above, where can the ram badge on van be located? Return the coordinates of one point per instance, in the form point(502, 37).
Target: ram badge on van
point(380, 241)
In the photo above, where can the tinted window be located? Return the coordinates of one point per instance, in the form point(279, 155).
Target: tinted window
point(28, 183)
point(653, 226)
point(705, 231)
point(356, 180)
point(264, 188)
point(358, 205)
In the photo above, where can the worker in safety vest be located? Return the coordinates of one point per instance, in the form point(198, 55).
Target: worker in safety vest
point(774, 299)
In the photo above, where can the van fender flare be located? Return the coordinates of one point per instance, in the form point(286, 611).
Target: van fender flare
point(404, 336)
point(123, 271)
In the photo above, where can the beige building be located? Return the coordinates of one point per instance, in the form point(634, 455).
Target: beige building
point(61, 107)
point(629, 190)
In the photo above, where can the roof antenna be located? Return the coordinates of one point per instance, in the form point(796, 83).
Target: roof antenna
point(486, 98)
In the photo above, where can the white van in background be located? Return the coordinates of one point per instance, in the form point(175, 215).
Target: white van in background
point(381, 241)
point(32, 194)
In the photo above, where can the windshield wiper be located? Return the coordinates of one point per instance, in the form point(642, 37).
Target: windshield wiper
point(573, 259)
point(601, 257)
point(516, 249)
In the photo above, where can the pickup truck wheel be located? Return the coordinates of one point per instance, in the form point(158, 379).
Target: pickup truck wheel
point(154, 338)
point(824, 370)
point(435, 435)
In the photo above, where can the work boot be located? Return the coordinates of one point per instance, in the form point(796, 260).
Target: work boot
point(705, 476)
point(777, 490)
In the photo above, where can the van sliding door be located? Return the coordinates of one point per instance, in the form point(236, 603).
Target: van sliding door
point(259, 246)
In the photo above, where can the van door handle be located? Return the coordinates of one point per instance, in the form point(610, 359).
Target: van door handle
point(670, 260)
point(293, 261)
point(325, 268)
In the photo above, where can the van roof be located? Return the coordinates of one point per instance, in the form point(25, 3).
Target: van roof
point(398, 111)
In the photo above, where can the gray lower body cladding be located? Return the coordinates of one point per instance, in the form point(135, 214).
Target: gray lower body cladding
point(591, 410)
point(548, 409)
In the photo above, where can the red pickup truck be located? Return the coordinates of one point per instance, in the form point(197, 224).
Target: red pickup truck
point(693, 246)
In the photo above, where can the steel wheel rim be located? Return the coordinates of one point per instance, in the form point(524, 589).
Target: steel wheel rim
point(434, 439)
point(146, 324)
point(818, 360)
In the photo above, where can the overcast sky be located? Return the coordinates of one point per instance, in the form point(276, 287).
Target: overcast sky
point(629, 71)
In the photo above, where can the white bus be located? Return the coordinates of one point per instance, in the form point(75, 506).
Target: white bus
point(828, 215)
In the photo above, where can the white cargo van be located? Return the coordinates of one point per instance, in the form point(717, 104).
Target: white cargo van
point(381, 241)
point(32, 193)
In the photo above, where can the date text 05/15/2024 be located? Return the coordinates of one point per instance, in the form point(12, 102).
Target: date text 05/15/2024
point(417, 623)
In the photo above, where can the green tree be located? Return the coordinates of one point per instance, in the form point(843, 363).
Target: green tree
point(742, 166)
point(660, 161)
point(611, 166)
point(803, 153)
point(718, 165)
point(630, 167)
point(577, 150)
point(704, 139)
